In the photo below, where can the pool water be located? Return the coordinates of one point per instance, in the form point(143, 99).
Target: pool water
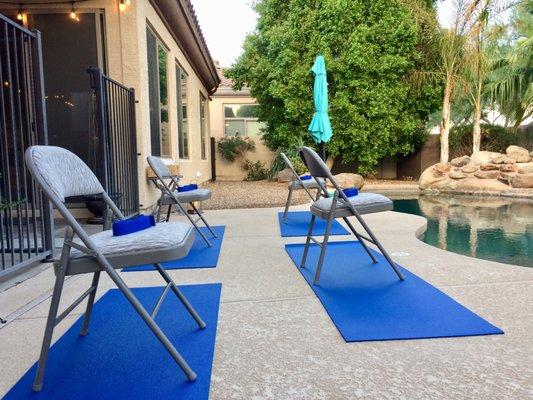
point(491, 228)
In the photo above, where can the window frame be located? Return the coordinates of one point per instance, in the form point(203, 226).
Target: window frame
point(159, 44)
point(183, 137)
point(203, 126)
point(244, 119)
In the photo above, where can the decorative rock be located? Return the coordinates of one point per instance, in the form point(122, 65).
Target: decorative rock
point(525, 168)
point(487, 174)
point(460, 161)
point(522, 181)
point(347, 180)
point(503, 160)
point(508, 168)
point(469, 169)
point(457, 174)
point(483, 157)
point(481, 185)
point(285, 175)
point(434, 174)
point(518, 153)
point(490, 167)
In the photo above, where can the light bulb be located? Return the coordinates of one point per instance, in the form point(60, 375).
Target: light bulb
point(20, 16)
point(122, 6)
point(73, 15)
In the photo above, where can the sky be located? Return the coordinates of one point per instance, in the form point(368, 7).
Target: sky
point(225, 24)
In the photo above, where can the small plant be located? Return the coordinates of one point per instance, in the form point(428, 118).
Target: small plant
point(256, 171)
point(233, 147)
point(278, 164)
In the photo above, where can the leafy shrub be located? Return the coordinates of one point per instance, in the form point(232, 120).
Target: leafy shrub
point(493, 138)
point(233, 147)
point(278, 164)
point(256, 170)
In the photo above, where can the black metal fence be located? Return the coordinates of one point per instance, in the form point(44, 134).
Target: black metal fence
point(26, 225)
point(115, 140)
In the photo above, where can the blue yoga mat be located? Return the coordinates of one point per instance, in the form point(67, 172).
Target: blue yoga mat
point(120, 358)
point(200, 256)
point(368, 302)
point(297, 224)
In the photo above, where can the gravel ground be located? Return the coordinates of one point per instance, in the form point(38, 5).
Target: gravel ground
point(263, 194)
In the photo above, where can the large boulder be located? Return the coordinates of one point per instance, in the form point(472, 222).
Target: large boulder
point(481, 185)
point(487, 174)
point(490, 167)
point(508, 168)
point(285, 175)
point(522, 181)
point(470, 168)
point(483, 157)
point(460, 161)
point(519, 154)
point(433, 175)
point(526, 168)
point(503, 159)
point(347, 180)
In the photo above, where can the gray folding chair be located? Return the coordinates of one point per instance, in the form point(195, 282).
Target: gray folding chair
point(341, 206)
point(62, 174)
point(298, 184)
point(171, 197)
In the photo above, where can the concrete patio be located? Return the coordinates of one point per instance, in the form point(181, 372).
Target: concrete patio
point(275, 340)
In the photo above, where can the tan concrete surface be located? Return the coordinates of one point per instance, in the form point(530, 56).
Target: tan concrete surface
point(275, 340)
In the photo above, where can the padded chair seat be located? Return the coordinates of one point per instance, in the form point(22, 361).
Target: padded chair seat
point(309, 184)
point(163, 242)
point(364, 203)
point(186, 197)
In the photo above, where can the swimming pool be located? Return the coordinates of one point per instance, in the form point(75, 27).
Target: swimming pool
point(492, 228)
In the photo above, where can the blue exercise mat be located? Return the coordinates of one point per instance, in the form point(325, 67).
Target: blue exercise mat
point(368, 302)
point(120, 358)
point(200, 255)
point(297, 224)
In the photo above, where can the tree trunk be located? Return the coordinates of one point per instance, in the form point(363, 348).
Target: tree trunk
point(476, 139)
point(446, 122)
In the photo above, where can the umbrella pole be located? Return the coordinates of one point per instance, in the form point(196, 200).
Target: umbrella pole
point(322, 148)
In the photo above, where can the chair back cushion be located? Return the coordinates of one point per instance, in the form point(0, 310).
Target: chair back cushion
point(61, 173)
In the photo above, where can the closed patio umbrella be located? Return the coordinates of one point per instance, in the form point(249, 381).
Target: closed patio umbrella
point(320, 127)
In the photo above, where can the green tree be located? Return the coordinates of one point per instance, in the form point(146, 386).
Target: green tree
point(370, 48)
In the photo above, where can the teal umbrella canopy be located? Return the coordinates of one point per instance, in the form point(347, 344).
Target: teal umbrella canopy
point(320, 126)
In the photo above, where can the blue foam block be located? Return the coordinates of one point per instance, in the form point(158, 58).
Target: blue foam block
point(297, 224)
point(120, 358)
point(200, 256)
point(368, 302)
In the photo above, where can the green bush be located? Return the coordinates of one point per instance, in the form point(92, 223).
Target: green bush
point(233, 147)
point(256, 171)
point(493, 138)
point(278, 164)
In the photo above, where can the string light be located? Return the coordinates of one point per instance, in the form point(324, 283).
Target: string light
point(20, 16)
point(123, 4)
point(73, 14)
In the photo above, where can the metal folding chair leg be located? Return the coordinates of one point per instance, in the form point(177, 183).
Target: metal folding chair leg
point(323, 250)
point(180, 296)
point(193, 222)
point(287, 205)
point(361, 240)
point(203, 220)
point(308, 240)
point(90, 302)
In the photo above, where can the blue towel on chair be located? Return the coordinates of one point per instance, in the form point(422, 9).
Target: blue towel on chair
point(306, 177)
point(187, 188)
point(135, 224)
point(350, 192)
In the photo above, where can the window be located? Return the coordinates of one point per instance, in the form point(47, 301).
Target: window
point(203, 127)
point(183, 132)
point(241, 120)
point(158, 95)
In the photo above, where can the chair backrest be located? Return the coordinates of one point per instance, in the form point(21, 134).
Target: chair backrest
point(159, 167)
point(318, 168)
point(61, 173)
point(289, 165)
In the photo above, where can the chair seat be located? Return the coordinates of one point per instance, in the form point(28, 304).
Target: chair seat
point(308, 184)
point(163, 242)
point(364, 203)
point(200, 194)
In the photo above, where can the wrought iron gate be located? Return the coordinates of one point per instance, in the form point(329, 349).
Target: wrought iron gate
point(26, 225)
point(115, 140)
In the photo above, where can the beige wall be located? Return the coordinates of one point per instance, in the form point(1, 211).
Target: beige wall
point(232, 171)
point(125, 47)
